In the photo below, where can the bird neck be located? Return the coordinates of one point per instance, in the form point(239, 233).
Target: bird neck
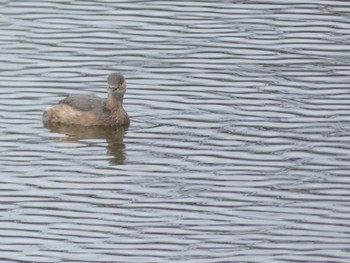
point(114, 103)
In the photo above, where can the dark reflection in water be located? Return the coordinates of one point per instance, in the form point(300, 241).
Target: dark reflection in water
point(113, 135)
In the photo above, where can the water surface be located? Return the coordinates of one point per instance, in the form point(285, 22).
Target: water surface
point(238, 150)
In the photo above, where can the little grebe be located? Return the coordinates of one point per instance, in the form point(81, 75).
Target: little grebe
point(91, 110)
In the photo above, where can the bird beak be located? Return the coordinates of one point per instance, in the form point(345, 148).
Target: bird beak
point(115, 89)
point(118, 88)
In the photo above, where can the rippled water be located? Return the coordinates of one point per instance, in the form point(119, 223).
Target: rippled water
point(238, 150)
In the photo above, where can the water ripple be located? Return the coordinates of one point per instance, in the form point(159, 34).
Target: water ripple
point(238, 146)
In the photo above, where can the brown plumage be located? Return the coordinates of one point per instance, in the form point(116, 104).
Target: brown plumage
point(91, 110)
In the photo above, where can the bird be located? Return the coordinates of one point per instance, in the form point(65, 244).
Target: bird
point(90, 109)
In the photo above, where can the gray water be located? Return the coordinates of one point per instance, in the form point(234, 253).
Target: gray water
point(239, 144)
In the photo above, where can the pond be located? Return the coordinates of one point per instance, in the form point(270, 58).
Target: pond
point(238, 148)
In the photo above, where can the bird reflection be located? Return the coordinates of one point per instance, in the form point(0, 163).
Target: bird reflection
point(113, 135)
